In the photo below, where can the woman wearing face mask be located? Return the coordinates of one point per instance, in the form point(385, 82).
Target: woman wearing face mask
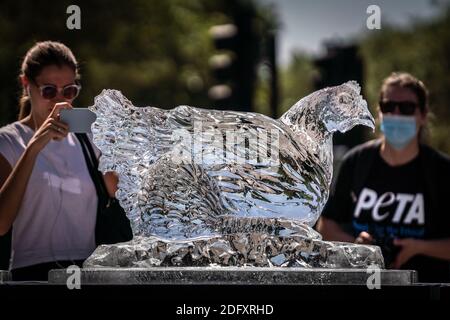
point(392, 192)
point(46, 193)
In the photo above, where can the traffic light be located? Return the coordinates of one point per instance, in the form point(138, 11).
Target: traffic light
point(223, 64)
point(233, 65)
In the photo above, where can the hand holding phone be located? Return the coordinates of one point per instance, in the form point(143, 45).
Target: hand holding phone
point(79, 120)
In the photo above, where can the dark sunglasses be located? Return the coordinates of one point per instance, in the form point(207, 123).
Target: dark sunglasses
point(49, 91)
point(404, 107)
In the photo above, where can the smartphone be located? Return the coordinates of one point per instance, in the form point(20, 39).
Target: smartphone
point(79, 120)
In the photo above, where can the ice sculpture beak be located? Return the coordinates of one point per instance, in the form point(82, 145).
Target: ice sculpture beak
point(353, 114)
point(366, 119)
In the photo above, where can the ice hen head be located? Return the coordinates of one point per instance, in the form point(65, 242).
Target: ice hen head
point(328, 110)
point(228, 175)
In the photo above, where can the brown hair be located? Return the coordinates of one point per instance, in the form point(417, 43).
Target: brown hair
point(406, 80)
point(41, 55)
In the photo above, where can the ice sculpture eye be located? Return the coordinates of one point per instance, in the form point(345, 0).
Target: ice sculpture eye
point(344, 98)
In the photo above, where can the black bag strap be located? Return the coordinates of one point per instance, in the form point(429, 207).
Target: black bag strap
point(92, 164)
point(112, 225)
point(5, 250)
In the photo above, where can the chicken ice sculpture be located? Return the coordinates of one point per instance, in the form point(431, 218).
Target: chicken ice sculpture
point(193, 178)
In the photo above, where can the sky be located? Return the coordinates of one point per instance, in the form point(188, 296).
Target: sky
point(306, 24)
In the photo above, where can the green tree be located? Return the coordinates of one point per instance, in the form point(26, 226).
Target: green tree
point(297, 80)
point(156, 52)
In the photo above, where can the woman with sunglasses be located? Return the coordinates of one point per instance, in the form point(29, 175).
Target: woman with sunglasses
point(47, 195)
point(393, 191)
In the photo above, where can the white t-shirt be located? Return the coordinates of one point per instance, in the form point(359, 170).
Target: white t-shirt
point(56, 220)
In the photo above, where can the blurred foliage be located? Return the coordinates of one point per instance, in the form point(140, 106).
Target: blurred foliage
point(297, 80)
point(155, 52)
point(422, 50)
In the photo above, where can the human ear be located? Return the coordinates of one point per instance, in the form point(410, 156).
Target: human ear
point(423, 116)
point(24, 81)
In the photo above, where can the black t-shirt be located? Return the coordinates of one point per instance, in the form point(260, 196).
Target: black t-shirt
point(393, 202)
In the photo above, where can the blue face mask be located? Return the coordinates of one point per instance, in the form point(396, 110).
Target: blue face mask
point(398, 130)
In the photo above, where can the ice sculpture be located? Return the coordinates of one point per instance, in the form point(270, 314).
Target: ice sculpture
point(206, 186)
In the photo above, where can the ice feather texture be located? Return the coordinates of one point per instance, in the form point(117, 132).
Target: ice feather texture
point(183, 171)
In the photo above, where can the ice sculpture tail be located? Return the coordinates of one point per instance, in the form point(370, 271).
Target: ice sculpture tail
point(121, 132)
